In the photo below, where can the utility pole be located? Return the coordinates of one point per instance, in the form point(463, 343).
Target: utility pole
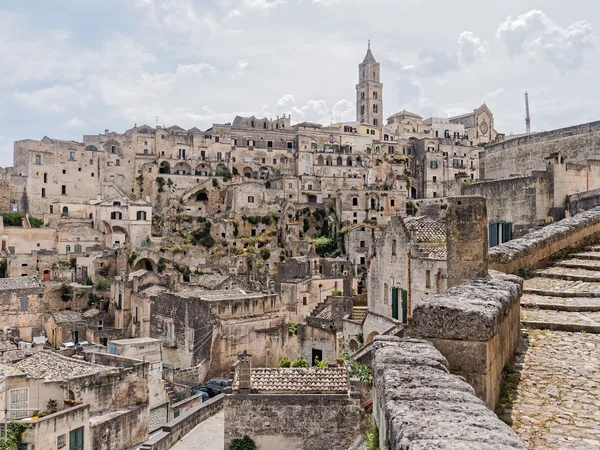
point(527, 118)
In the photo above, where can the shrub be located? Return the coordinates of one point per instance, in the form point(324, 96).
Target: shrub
point(215, 183)
point(132, 259)
point(102, 284)
point(300, 362)
point(320, 364)
point(306, 225)
point(336, 292)
point(161, 183)
point(265, 253)
point(243, 444)
point(12, 219)
point(285, 362)
point(35, 222)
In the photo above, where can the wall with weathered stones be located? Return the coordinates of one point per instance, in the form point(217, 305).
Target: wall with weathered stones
point(476, 327)
point(46, 430)
point(119, 429)
point(583, 201)
point(534, 248)
point(523, 155)
point(418, 403)
point(306, 421)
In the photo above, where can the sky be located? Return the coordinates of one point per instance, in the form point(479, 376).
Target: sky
point(74, 67)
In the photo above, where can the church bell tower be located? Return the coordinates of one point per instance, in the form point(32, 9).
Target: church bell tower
point(369, 98)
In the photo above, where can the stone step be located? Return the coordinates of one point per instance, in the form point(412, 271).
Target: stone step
point(587, 255)
point(593, 248)
point(560, 303)
point(588, 322)
point(560, 288)
point(579, 263)
point(570, 274)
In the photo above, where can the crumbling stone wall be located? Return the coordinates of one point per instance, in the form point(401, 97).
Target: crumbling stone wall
point(534, 248)
point(303, 421)
point(476, 327)
point(418, 403)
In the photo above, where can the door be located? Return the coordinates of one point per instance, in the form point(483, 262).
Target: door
point(493, 234)
point(46, 275)
point(316, 354)
point(395, 303)
point(75, 335)
point(76, 439)
point(404, 306)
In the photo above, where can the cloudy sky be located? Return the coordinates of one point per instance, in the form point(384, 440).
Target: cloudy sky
point(74, 67)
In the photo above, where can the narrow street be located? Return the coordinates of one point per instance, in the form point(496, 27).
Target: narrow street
point(207, 435)
point(556, 403)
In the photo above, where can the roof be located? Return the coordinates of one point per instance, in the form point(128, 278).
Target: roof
point(332, 380)
point(405, 113)
point(7, 370)
point(218, 295)
point(67, 316)
point(210, 280)
point(90, 313)
point(433, 252)
point(7, 284)
point(54, 367)
point(151, 291)
point(424, 229)
point(326, 313)
point(137, 273)
point(136, 341)
point(369, 58)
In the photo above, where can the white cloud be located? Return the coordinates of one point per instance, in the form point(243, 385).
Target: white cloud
point(76, 123)
point(471, 48)
point(240, 68)
point(199, 69)
point(53, 99)
point(539, 36)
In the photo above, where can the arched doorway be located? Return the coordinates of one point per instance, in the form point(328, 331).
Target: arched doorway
point(164, 168)
point(182, 168)
point(145, 264)
point(353, 345)
point(65, 211)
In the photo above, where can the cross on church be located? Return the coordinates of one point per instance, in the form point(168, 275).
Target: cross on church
point(369, 44)
point(244, 355)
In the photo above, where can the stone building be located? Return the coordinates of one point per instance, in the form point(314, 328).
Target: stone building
point(22, 307)
point(291, 408)
point(369, 91)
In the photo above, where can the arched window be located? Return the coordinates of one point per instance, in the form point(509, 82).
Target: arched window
point(65, 211)
point(372, 203)
point(92, 148)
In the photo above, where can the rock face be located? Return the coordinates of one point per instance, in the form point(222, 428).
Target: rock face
point(419, 404)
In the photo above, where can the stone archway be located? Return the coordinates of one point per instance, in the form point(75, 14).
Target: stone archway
point(145, 264)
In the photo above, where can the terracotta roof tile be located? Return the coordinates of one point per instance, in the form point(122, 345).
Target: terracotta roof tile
point(332, 380)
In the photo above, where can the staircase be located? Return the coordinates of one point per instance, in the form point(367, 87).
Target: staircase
point(359, 313)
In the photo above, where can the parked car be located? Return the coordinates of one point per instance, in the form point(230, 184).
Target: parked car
point(211, 391)
point(204, 395)
point(84, 344)
point(66, 345)
point(218, 384)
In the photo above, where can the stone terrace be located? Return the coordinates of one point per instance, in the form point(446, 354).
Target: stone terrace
point(555, 402)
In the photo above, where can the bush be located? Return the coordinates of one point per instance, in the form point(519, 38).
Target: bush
point(265, 253)
point(102, 284)
point(132, 259)
point(300, 362)
point(215, 183)
point(13, 219)
point(243, 444)
point(35, 222)
point(285, 362)
point(336, 292)
point(161, 183)
point(320, 364)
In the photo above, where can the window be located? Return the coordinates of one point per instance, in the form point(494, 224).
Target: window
point(116, 215)
point(216, 138)
point(64, 171)
point(374, 92)
point(362, 95)
point(71, 156)
point(250, 143)
point(433, 164)
point(270, 145)
point(428, 279)
point(63, 189)
point(65, 211)
point(375, 109)
point(182, 153)
point(101, 324)
point(68, 248)
point(43, 192)
point(392, 202)
point(250, 199)
point(394, 247)
point(118, 162)
point(290, 145)
point(362, 244)
point(38, 159)
point(146, 151)
point(170, 331)
point(202, 155)
point(24, 304)
point(362, 260)
point(304, 301)
point(61, 441)
point(274, 161)
point(51, 209)
point(141, 215)
point(354, 201)
point(435, 179)
point(113, 149)
point(120, 301)
point(391, 149)
point(45, 177)
point(91, 162)
point(19, 399)
point(374, 123)
point(219, 156)
point(373, 131)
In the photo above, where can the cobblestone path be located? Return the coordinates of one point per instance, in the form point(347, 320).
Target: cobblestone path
point(554, 402)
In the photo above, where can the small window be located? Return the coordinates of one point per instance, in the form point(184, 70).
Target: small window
point(63, 189)
point(91, 162)
point(355, 201)
point(250, 143)
point(64, 171)
point(304, 301)
point(78, 248)
point(141, 215)
point(394, 247)
point(68, 249)
point(290, 145)
point(71, 156)
point(61, 441)
point(24, 304)
point(118, 162)
point(434, 179)
point(45, 177)
point(392, 202)
point(250, 199)
point(113, 149)
point(38, 159)
point(146, 151)
point(43, 192)
point(100, 324)
point(428, 279)
point(216, 138)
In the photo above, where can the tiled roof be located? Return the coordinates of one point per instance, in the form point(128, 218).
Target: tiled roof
point(7, 284)
point(54, 367)
point(67, 316)
point(325, 313)
point(424, 229)
point(433, 252)
point(332, 380)
point(152, 290)
point(210, 280)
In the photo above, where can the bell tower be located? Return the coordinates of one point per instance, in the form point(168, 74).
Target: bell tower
point(369, 91)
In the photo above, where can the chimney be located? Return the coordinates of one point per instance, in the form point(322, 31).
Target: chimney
point(466, 239)
point(106, 131)
point(244, 372)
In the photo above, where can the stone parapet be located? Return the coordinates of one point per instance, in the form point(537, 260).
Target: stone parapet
point(534, 248)
point(476, 327)
point(418, 403)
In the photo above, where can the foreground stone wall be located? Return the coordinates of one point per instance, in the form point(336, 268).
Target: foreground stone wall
point(534, 248)
point(583, 201)
point(303, 421)
point(418, 404)
point(476, 327)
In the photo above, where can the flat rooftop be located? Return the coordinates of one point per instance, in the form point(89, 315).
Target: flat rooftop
point(8, 284)
point(135, 341)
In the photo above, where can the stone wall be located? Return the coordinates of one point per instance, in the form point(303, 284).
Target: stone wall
point(305, 421)
point(583, 201)
point(46, 430)
point(524, 155)
point(173, 431)
point(476, 327)
point(418, 404)
point(119, 429)
point(534, 248)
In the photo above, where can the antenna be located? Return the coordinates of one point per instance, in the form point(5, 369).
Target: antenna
point(527, 118)
point(156, 121)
